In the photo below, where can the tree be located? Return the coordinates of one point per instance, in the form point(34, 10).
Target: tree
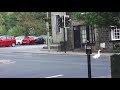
point(32, 23)
point(16, 31)
point(104, 19)
point(2, 30)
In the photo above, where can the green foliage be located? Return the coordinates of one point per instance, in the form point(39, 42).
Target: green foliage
point(16, 31)
point(98, 18)
point(41, 30)
point(2, 30)
point(22, 23)
point(116, 50)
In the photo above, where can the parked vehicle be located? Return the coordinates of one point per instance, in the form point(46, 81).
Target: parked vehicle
point(19, 39)
point(45, 37)
point(7, 41)
point(39, 40)
point(28, 40)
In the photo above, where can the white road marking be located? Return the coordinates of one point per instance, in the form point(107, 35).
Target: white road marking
point(6, 61)
point(54, 76)
point(13, 62)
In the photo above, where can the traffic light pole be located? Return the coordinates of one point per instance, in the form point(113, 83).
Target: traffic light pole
point(64, 40)
point(65, 26)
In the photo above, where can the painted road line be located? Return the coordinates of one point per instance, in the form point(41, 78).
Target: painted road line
point(6, 62)
point(54, 76)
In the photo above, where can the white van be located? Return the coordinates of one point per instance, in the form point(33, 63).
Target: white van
point(19, 40)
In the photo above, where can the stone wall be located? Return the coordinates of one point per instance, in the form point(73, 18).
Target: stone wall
point(102, 37)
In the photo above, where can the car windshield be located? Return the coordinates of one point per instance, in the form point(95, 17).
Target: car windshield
point(35, 37)
point(26, 37)
point(18, 38)
point(2, 37)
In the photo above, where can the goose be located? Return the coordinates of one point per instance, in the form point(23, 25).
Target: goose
point(97, 55)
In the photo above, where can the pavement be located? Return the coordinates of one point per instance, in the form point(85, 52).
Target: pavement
point(55, 51)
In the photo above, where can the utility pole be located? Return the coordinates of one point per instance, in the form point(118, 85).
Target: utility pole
point(47, 28)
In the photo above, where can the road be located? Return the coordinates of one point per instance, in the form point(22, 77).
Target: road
point(35, 65)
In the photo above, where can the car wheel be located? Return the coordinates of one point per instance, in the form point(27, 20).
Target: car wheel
point(13, 44)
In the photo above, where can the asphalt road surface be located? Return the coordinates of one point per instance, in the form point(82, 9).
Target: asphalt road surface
point(35, 65)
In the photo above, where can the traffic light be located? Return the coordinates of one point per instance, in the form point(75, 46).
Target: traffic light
point(66, 21)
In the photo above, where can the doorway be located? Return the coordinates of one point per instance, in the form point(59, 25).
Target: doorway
point(77, 41)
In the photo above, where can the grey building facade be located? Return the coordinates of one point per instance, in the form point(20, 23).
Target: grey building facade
point(101, 38)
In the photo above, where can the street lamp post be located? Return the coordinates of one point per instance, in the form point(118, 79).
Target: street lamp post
point(47, 28)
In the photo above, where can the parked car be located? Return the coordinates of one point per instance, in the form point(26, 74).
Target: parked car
point(7, 41)
point(39, 40)
point(28, 40)
point(19, 39)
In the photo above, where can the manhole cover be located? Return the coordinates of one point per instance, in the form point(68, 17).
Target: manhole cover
point(6, 62)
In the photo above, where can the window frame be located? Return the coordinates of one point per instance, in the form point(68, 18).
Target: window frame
point(115, 34)
point(83, 34)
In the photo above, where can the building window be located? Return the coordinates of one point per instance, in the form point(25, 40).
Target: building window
point(115, 33)
point(57, 24)
point(83, 34)
point(92, 34)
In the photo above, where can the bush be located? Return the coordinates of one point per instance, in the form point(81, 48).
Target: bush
point(116, 50)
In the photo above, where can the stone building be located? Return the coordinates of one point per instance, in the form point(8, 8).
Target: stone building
point(101, 38)
point(57, 36)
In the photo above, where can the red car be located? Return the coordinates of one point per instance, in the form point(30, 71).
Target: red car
point(28, 40)
point(7, 41)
